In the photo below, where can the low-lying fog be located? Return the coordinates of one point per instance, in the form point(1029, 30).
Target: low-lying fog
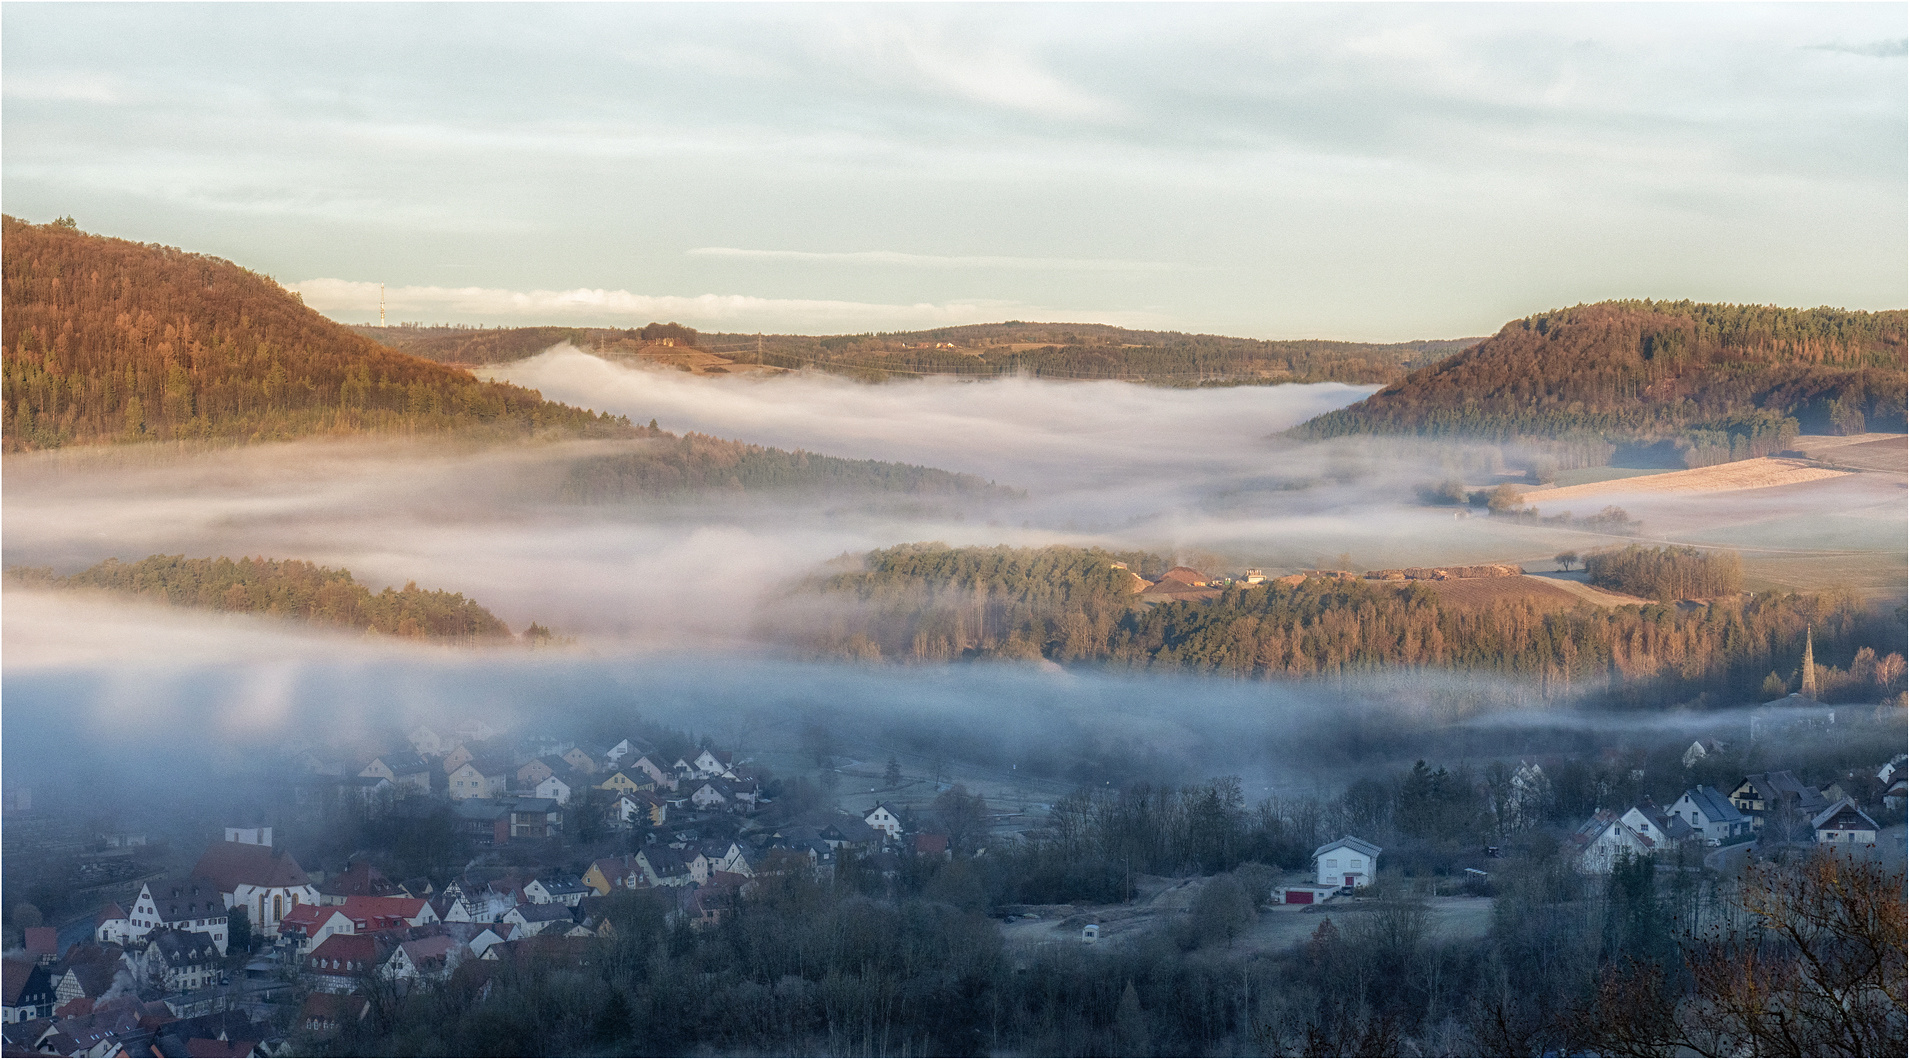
point(662, 597)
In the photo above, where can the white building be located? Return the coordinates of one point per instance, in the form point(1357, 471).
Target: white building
point(885, 820)
point(1346, 862)
point(1711, 815)
point(265, 880)
point(1844, 825)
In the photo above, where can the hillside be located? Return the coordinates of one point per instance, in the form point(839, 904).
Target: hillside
point(113, 341)
point(933, 603)
point(670, 466)
point(1057, 351)
point(1700, 383)
point(287, 589)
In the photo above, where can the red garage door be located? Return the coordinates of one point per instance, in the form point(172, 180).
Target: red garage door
point(1299, 897)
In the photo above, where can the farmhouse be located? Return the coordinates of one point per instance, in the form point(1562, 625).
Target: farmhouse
point(1844, 824)
point(1346, 862)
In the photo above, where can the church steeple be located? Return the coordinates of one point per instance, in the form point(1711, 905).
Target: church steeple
point(1809, 687)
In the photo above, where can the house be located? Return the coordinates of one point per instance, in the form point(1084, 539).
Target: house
point(884, 820)
point(360, 879)
point(406, 770)
point(455, 756)
point(478, 779)
point(533, 772)
point(581, 760)
point(726, 855)
point(374, 913)
point(1346, 862)
point(533, 919)
point(556, 787)
point(28, 991)
point(42, 944)
point(306, 926)
point(1892, 770)
point(662, 866)
point(634, 809)
point(89, 971)
point(626, 780)
point(497, 821)
point(433, 957)
point(709, 763)
point(1762, 795)
point(713, 794)
point(1893, 796)
point(183, 960)
point(1711, 815)
point(610, 874)
point(1598, 845)
point(324, 1012)
point(715, 899)
point(560, 890)
point(339, 963)
point(112, 924)
point(190, 904)
point(661, 777)
point(1663, 829)
point(264, 879)
point(1843, 824)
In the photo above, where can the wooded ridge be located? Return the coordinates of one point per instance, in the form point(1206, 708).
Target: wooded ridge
point(1707, 382)
point(108, 340)
point(286, 588)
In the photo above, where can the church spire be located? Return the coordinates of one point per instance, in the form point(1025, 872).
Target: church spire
point(1809, 686)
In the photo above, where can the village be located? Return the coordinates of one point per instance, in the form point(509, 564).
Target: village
point(253, 946)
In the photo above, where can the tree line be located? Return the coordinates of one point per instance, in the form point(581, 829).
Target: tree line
point(1675, 572)
point(931, 603)
point(286, 588)
point(670, 466)
point(107, 340)
point(1707, 382)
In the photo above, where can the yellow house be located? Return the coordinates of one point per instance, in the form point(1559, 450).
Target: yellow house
point(627, 781)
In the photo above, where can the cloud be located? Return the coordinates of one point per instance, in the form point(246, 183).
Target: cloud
point(938, 261)
point(358, 300)
point(1876, 49)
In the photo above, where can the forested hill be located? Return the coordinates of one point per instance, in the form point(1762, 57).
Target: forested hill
point(932, 603)
point(670, 467)
point(108, 340)
point(1694, 374)
point(1055, 351)
point(287, 589)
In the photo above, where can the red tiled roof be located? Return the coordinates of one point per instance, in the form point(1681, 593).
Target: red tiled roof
point(368, 908)
point(41, 940)
point(232, 864)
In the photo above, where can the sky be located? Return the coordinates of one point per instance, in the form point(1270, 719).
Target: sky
point(1365, 171)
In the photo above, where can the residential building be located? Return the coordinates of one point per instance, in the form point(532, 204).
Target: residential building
point(1711, 816)
point(338, 964)
point(183, 960)
point(479, 779)
point(190, 904)
point(1346, 862)
point(1843, 824)
point(1763, 795)
point(27, 992)
point(885, 820)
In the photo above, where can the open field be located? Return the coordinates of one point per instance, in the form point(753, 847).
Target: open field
point(1573, 584)
point(1739, 475)
point(1867, 452)
point(1484, 592)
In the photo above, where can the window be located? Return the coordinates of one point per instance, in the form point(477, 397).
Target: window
point(1332, 863)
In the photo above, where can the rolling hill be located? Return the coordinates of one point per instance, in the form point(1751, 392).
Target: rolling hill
point(108, 340)
point(1702, 383)
point(1055, 351)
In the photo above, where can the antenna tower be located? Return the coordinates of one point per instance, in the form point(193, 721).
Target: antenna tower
point(381, 305)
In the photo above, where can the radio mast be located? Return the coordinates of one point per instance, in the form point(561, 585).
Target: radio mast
point(381, 305)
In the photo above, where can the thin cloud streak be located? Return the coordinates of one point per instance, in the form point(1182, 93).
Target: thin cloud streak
point(937, 261)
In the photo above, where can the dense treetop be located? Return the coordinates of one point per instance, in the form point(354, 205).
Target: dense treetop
point(286, 588)
point(932, 603)
point(671, 466)
point(108, 340)
point(1641, 370)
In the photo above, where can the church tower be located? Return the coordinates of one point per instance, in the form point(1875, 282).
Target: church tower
point(1809, 687)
